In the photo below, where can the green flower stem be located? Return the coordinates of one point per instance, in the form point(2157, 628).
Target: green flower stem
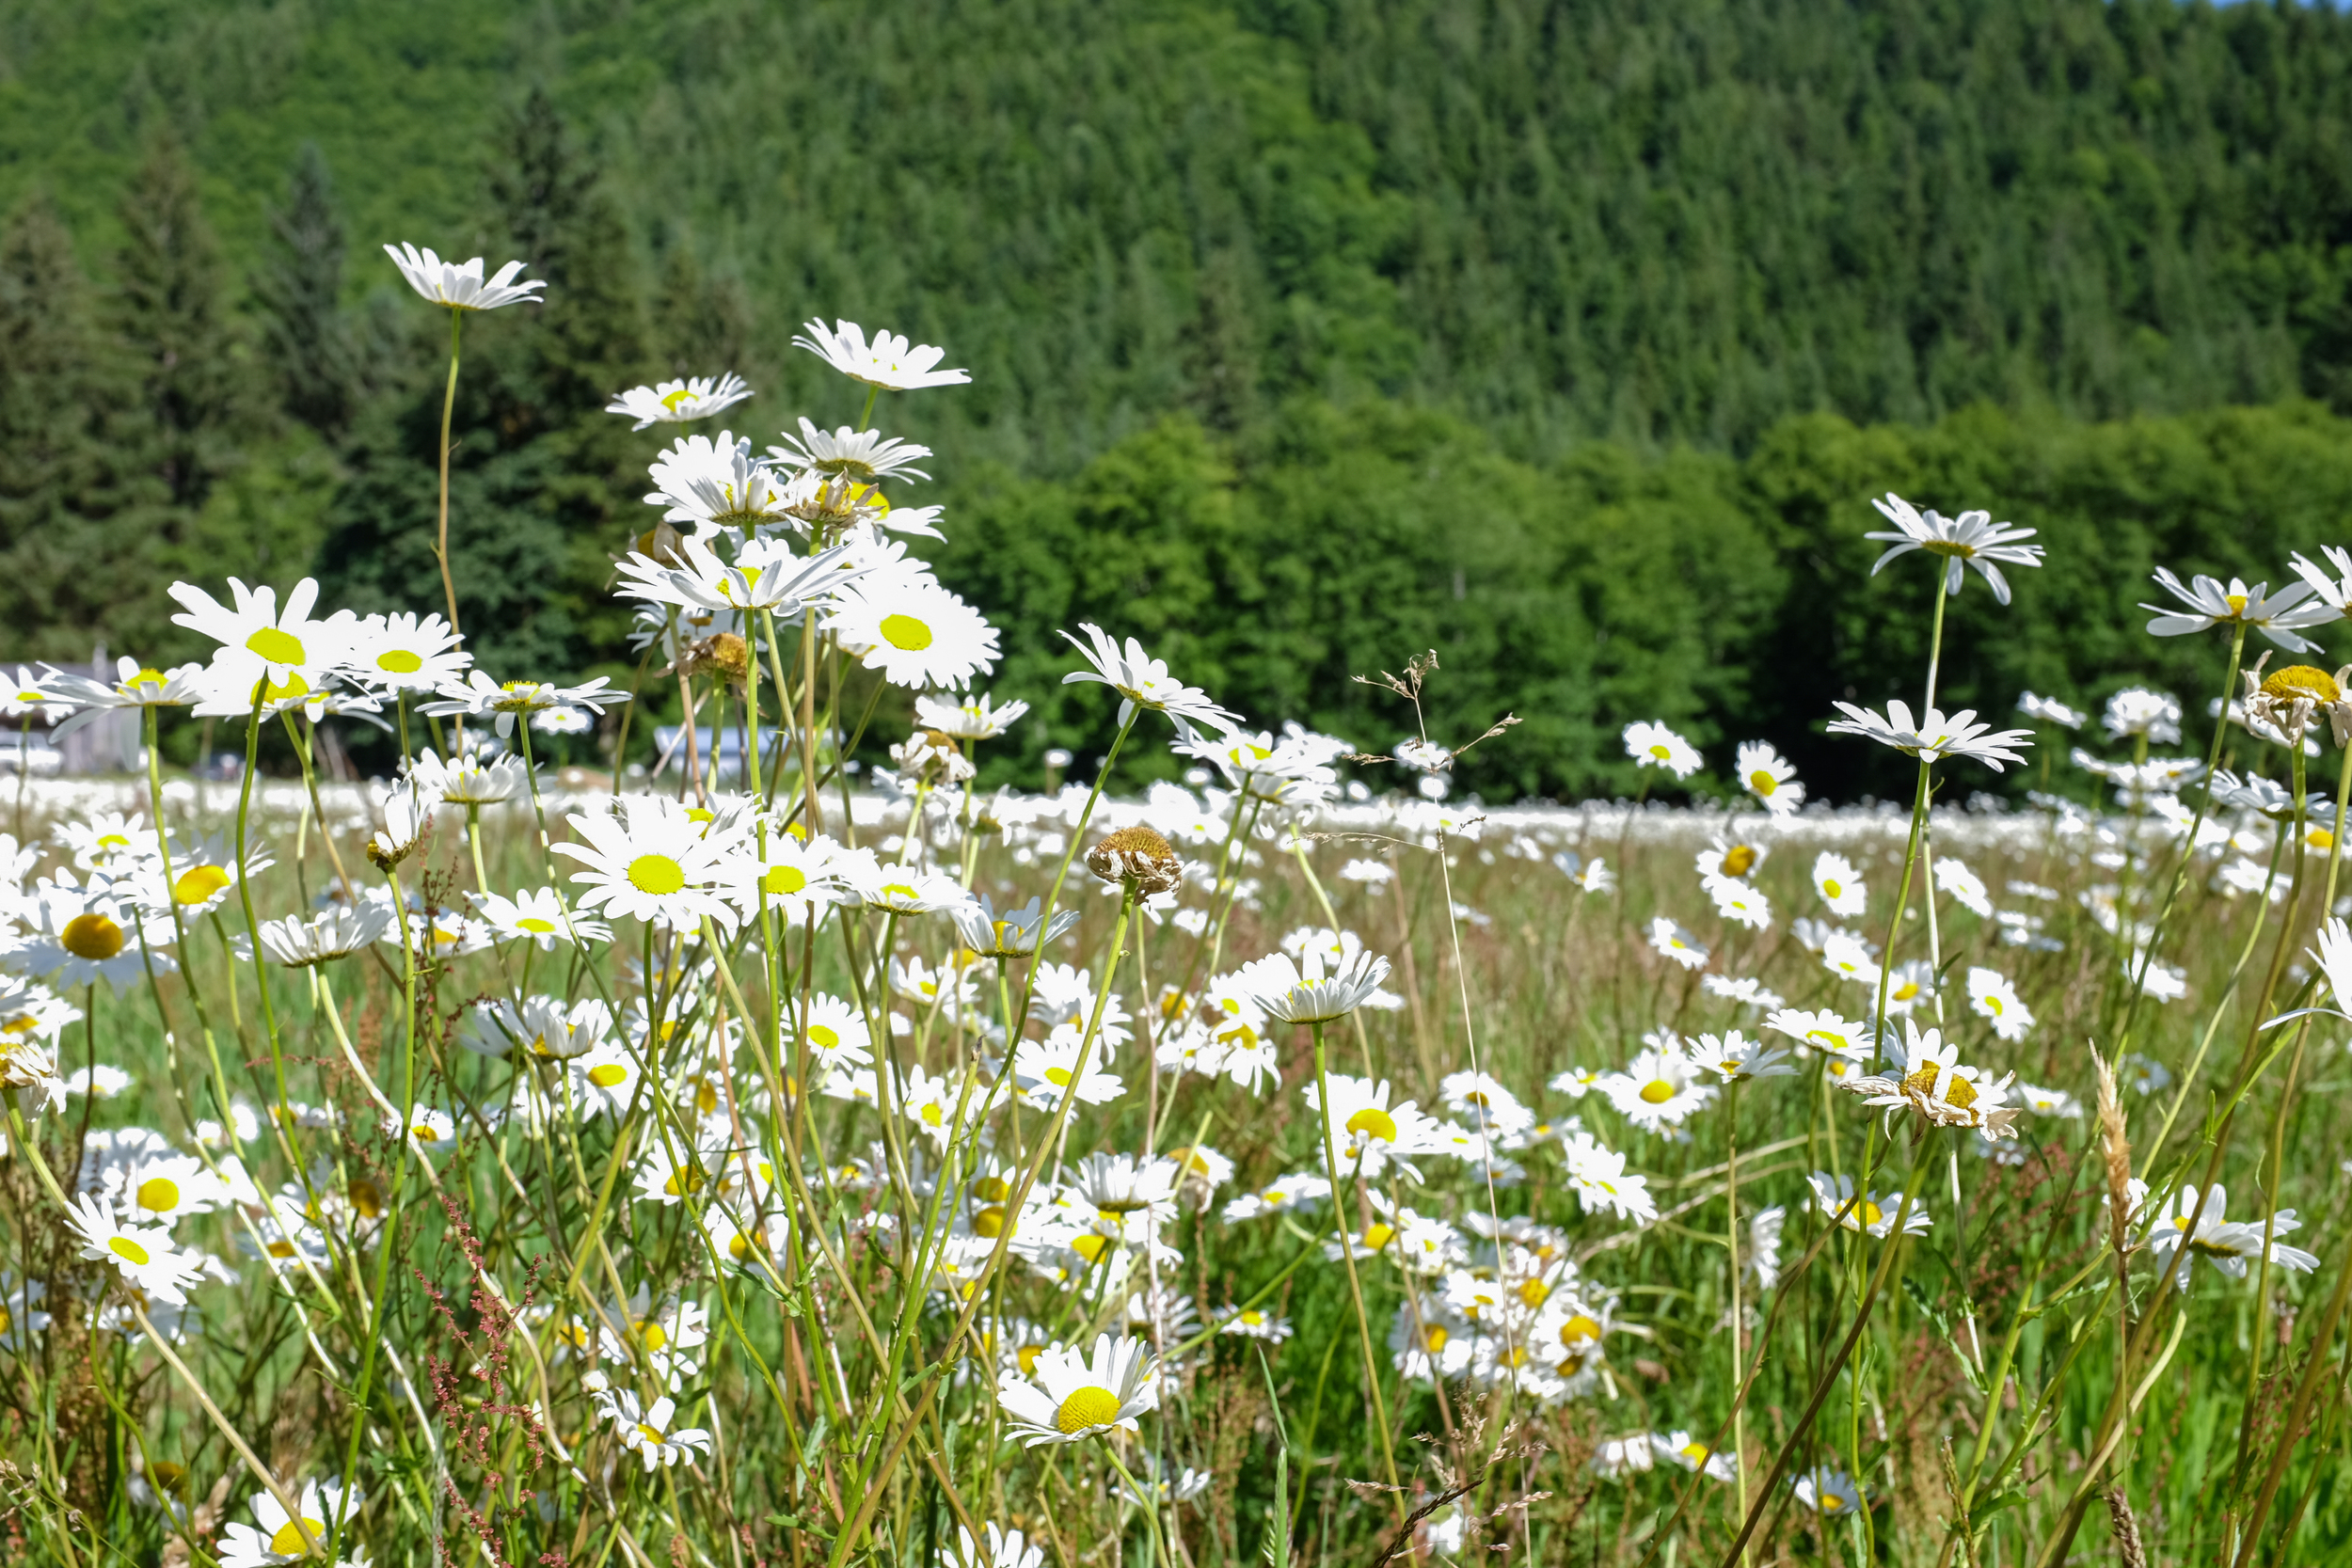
point(1148, 1502)
point(876, 1483)
point(1895, 1239)
point(2188, 845)
point(440, 538)
point(1355, 1285)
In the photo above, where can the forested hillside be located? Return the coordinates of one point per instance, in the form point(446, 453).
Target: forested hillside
point(1601, 319)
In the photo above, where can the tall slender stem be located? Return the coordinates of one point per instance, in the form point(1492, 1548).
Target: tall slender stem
point(1355, 1285)
point(449, 409)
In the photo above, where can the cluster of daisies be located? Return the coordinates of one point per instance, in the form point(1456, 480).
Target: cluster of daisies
point(833, 1057)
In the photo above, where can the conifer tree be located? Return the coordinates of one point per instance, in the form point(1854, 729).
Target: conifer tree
point(306, 336)
point(173, 317)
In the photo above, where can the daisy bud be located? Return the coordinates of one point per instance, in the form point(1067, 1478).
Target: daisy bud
point(1137, 857)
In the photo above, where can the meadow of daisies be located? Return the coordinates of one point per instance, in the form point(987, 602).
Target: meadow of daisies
point(767, 1163)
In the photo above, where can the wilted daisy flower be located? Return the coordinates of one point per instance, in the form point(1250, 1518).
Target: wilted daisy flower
point(658, 865)
point(1833, 1198)
point(143, 1255)
point(678, 402)
point(1839, 885)
point(2206, 602)
point(1142, 681)
point(1653, 745)
point(1674, 943)
point(462, 288)
point(889, 361)
point(1137, 858)
point(1990, 995)
point(1068, 1398)
point(1769, 777)
point(2287, 701)
point(1934, 1085)
point(2051, 711)
point(1936, 737)
point(1972, 538)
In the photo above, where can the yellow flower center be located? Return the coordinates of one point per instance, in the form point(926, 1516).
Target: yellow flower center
point(1535, 1292)
point(1658, 1091)
point(1433, 1339)
point(288, 1541)
point(1694, 1452)
point(1058, 1076)
point(657, 874)
point(1378, 1237)
point(2236, 602)
point(533, 923)
point(1091, 1247)
point(277, 648)
point(1086, 1407)
point(198, 883)
point(2302, 680)
point(159, 1194)
point(653, 1334)
point(1868, 1215)
point(783, 880)
point(989, 1221)
point(94, 937)
point(1373, 1122)
point(366, 1201)
point(648, 1435)
point(399, 661)
point(1253, 1317)
point(1661, 753)
point(1831, 1501)
point(1833, 888)
point(906, 633)
point(1957, 1093)
point(124, 1248)
point(605, 1074)
point(1762, 782)
point(1579, 1330)
point(1026, 1358)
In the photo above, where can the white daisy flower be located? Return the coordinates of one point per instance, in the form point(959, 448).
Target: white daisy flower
point(767, 575)
point(1965, 887)
point(1833, 1198)
point(403, 653)
point(889, 361)
point(1732, 1057)
point(1829, 1493)
point(2051, 711)
point(479, 696)
point(143, 1255)
point(2135, 710)
point(1990, 996)
point(658, 865)
point(1068, 1398)
point(1935, 737)
point(646, 1432)
point(1369, 1133)
point(1769, 777)
point(536, 915)
point(1653, 745)
point(717, 484)
point(1142, 681)
point(1660, 1088)
point(1846, 955)
point(1972, 538)
point(284, 652)
point(916, 633)
point(679, 402)
point(2207, 602)
point(845, 453)
point(462, 287)
point(1737, 901)
point(330, 934)
point(1673, 942)
point(283, 1538)
point(1602, 1182)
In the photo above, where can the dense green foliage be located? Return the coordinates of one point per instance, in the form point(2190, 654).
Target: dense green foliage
point(1566, 339)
